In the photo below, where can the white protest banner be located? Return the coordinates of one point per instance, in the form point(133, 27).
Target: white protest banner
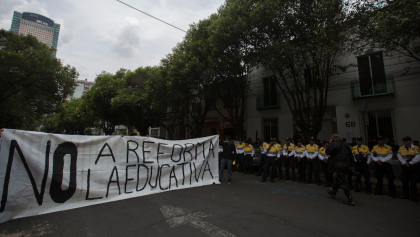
point(42, 173)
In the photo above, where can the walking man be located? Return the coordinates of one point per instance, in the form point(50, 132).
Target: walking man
point(229, 153)
point(342, 159)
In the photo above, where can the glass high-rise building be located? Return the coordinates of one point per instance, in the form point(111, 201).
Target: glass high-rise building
point(43, 28)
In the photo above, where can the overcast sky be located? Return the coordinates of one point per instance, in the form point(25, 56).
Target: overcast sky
point(99, 35)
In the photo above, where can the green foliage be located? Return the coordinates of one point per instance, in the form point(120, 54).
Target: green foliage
point(88, 131)
point(30, 80)
point(391, 25)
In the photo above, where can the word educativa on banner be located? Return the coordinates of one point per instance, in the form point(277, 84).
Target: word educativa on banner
point(86, 170)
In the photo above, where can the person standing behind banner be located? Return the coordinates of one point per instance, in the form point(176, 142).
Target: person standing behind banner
point(409, 156)
point(263, 160)
point(279, 160)
point(289, 159)
point(229, 153)
point(381, 154)
point(240, 156)
point(362, 159)
point(300, 155)
point(311, 153)
point(272, 152)
point(249, 158)
point(327, 168)
point(342, 160)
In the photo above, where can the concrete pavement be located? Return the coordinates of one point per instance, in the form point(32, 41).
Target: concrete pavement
point(244, 208)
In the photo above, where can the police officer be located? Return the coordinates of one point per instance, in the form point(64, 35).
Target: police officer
point(249, 158)
point(312, 161)
point(272, 153)
point(362, 159)
point(382, 154)
point(240, 156)
point(300, 155)
point(342, 160)
point(220, 152)
point(327, 169)
point(279, 160)
point(263, 159)
point(409, 156)
point(289, 159)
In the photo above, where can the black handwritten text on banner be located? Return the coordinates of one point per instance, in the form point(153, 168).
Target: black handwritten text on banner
point(42, 173)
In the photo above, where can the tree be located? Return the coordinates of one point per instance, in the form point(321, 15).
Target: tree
point(32, 82)
point(299, 44)
point(389, 25)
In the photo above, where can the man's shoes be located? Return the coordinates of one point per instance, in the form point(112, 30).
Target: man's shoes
point(262, 180)
point(393, 195)
point(350, 202)
point(330, 192)
point(229, 181)
point(404, 197)
point(318, 183)
point(377, 193)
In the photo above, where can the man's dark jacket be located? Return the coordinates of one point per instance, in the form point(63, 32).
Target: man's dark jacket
point(229, 151)
point(340, 154)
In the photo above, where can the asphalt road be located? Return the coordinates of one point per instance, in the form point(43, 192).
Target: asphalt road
point(244, 208)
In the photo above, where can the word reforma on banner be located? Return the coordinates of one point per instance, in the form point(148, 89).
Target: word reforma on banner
point(86, 170)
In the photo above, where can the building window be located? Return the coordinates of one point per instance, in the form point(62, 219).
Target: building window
point(372, 74)
point(270, 91)
point(380, 123)
point(270, 129)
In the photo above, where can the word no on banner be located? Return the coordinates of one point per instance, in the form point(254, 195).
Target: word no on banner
point(79, 171)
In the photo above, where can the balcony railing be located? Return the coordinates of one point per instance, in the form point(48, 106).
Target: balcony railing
point(388, 89)
point(266, 106)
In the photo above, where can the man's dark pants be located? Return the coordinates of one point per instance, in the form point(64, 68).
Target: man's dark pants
point(270, 162)
point(327, 169)
point(224, 163)
point(350, 178)
point(340, 180)
point(290, 162)
point(302, 169)
point(279, 163)
point(409, 178)
point(361, 168)
point(249, 163)
point(380, 171)
point(313, 165)
point(263, 160)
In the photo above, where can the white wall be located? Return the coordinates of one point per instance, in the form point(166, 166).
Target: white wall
point(404, 104)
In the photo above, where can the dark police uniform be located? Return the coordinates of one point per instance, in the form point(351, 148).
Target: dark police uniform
point(279, 161)
point(300, 156)
point(240, 159)
point(272, 153)
point(384, 155)
point(327, 168)
point(312, 162)
point(263, 159)
point(362, 159)
point(249, 159)
point(289, 150)
point(410, 169)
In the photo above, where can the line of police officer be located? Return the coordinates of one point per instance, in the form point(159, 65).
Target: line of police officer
point(308, 160)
